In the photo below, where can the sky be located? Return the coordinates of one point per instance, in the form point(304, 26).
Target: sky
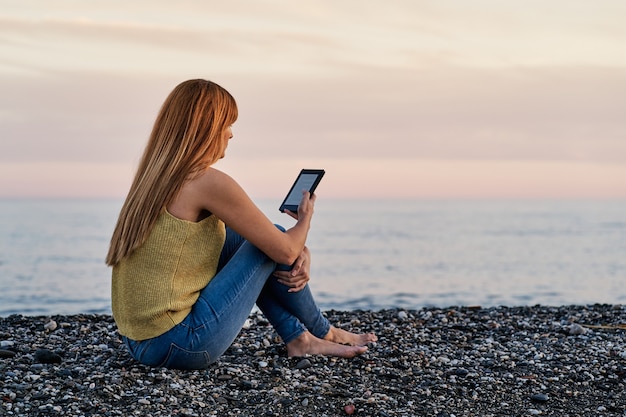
point(394, 99)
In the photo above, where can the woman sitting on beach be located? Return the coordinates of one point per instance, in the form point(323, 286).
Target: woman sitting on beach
point(192, 254)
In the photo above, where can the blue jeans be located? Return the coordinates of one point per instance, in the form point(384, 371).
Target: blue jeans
point(244, 278)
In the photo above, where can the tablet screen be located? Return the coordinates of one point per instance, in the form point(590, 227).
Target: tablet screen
point(304, 182)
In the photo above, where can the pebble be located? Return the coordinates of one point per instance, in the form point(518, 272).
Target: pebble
point(6, 353)
point(576, 329)
point(47, 356)
point(304, 364)
point(432, 361)
point(50, 326)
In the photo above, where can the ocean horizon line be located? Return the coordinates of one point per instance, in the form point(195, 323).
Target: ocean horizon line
point(368, 198)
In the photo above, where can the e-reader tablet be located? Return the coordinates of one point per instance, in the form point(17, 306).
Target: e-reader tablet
point(307, 180)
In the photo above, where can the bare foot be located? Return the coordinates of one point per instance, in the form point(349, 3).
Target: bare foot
point(347, 338)
point(307, 344)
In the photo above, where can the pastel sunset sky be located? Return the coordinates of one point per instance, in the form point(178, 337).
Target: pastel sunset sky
point(395, 99)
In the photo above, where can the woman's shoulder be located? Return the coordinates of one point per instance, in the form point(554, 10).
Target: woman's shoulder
point(214, 178)
point(204, 192)
point(213, 186)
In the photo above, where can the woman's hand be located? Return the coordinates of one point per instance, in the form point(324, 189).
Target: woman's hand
point(297, 278)
point(305, 209)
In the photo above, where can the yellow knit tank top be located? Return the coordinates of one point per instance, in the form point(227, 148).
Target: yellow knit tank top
point(154, 288)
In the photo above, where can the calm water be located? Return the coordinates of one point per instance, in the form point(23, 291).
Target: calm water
point(366, 254)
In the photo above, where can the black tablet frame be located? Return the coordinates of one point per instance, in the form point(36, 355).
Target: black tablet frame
point(294, 208)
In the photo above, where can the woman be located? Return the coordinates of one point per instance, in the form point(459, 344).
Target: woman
point(192, 254)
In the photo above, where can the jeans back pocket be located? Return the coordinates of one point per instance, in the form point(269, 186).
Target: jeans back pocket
point(179, 358)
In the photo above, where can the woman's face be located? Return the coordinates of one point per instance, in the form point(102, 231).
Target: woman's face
point(226, 136)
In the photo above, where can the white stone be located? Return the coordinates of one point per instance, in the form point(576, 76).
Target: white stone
point(50, 326)
point(576, 329)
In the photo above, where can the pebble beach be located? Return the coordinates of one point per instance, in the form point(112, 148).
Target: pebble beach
point(456, 361)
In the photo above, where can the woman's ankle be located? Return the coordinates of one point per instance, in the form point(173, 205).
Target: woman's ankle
point(299, 345)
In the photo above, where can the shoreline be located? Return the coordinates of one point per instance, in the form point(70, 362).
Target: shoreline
point(456, 361)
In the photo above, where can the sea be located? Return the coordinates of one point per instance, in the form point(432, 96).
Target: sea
point(366, 254)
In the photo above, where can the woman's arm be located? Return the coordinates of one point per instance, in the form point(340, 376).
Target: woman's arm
point(218, 193)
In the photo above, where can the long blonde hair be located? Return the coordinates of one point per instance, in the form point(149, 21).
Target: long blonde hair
point(186, 139)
